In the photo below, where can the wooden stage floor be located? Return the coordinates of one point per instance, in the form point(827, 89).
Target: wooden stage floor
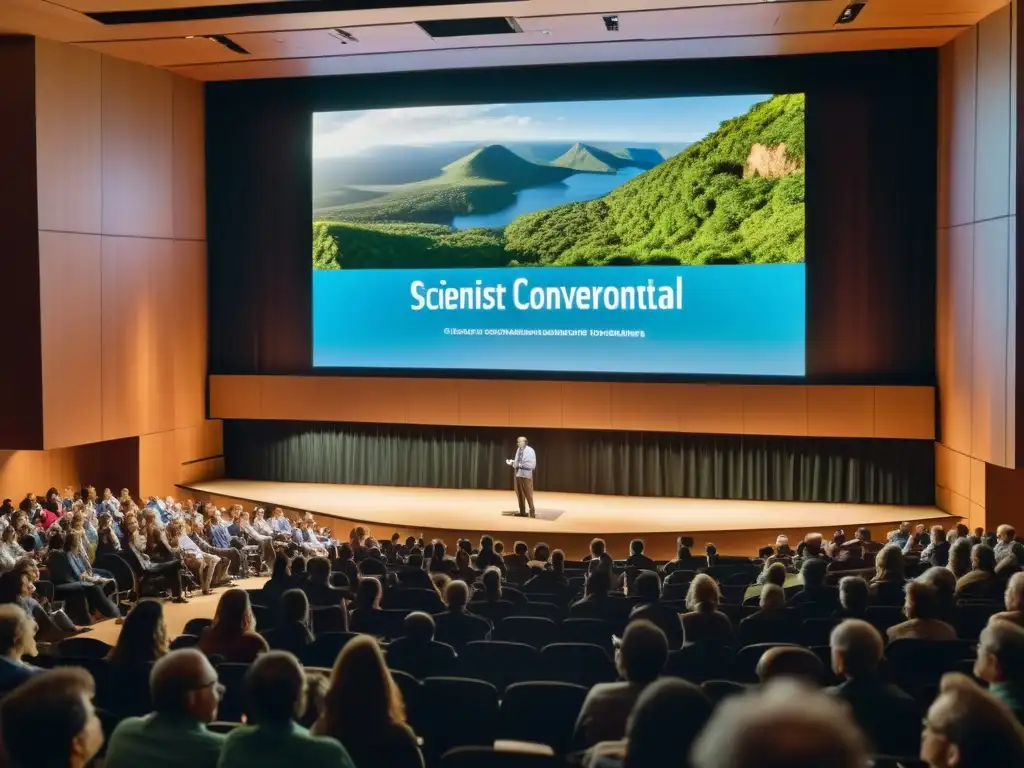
point(736, 527)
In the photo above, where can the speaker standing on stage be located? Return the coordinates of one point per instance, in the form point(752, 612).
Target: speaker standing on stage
point(524, 463)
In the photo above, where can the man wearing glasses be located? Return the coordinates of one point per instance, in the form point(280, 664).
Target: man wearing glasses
point(186, 695)
point(967, 727)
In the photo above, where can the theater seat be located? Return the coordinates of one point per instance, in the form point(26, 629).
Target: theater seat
point(500, 663)
point(458, 712)
point(542, 712)
point(577, 663)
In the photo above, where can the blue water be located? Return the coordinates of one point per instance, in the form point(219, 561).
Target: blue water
point(575, 189)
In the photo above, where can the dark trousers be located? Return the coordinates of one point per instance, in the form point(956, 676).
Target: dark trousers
point(171, 571)
point(524, 494)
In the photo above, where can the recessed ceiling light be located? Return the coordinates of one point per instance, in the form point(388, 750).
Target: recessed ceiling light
point(545, 31)
point(189, 37)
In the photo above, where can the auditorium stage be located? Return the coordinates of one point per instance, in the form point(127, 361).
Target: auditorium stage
point(736, 527)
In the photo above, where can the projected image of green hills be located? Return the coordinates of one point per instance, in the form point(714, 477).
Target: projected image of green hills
point(484, 180)
point(734, 197)
point(584, 158)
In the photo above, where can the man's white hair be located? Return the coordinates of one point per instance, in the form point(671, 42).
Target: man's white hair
point(783, 724)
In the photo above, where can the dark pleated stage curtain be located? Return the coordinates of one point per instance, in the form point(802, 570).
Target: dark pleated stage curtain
point(580, 461)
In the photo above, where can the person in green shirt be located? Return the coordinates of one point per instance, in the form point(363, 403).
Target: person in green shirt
point(275, 695)
point(186, 694)
point(1001, 663)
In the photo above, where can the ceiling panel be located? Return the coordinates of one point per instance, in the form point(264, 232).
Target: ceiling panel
point(765, 45)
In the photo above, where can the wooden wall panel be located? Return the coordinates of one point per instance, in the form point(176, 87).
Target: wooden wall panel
point(201, 441)
point(126, 320)
point(645, 407)
point(189, 160)
point(138, 154)
point(989, 329)
point(841, 411)
point(955, 362)
point(712, 408)
point(162, 309)
point(432, 401)
point(158, 464)
point(70, 325)
point(775, 410)
point(586, 405)
point(188, 316)
point(68, 146)
point(902, 412)
point(960, 143)
point(906, 412)
point(483, 403)
point(994, 121)
point(536, 404)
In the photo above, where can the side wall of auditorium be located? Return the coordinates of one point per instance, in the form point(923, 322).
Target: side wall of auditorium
point(103, 234)
point(978, 254)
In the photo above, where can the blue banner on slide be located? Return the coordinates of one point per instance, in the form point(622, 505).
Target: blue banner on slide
point(705, 320)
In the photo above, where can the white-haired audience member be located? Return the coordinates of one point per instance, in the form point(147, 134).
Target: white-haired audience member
point(1000, 663)
point(888, 715)
point(1007, 544)
point(1014, 598)
point(966, 727)
point(186, 695)
point(639, 659)
point(784, 724)
point(923, 610)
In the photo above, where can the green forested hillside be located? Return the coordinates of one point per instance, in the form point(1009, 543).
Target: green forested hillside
point(735, 197)
point(699, 207)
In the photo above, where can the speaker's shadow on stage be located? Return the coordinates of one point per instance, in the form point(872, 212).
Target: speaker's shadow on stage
point(542, 514)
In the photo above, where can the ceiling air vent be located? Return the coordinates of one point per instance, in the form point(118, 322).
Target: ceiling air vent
point(467, 27)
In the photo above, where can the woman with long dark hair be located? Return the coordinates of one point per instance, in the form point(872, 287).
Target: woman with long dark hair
point(233, 632)
point(363, 709)
point(143, 637)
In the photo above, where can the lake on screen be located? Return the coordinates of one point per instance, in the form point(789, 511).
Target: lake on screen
point(575, 189)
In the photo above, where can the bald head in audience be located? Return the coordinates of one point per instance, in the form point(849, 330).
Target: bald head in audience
point(791, 662)
point(184, 683)
point(967, 727)
point(784, 724)
point(856, 649)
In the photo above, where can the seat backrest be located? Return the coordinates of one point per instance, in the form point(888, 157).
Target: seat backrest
point(83, 647)
point(474, 757)
point(541, 712)
point(500, 663)
point(532, 630)
point(579, 663)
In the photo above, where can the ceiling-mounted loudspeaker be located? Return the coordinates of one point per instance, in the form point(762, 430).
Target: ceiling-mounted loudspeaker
point(851, 12)
point(611, 23)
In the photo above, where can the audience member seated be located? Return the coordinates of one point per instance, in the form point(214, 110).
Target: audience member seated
point(847, 555)
point(233, 632)
point(488, 557)
point(364, 711)
point(811, 548)
point(517, 559)
point(922, 609)
point(936, 553)
point(854, 596)
point(292, 633)
point(186, 694)
point(275, 695)
point(143, 638)
point(647, 592)
point(683, 561)
point(886, 714)
point(771, 624)
point(637, 558)
point(1007, 544)
point(774, 572)
point(781, 725)
point(668, 716)
point(1014, 598)
point(208, 569)
point(704, 624)
point(318, 585)
point(439, 563)
point(640, 657)
point(945, 586)
point(888, 581)
point(980, 583)
point(418, 653)
point(50, 722)
point(1000, 663)
point(791, 661)
point(966, 727)
point(550, 580)
point(960, 556)
point(280, 580)
point(457, 626)
point(599, 551)
point(367, 616)
point(18, 586)
point(816, 598)
point(93, 605)
point(17, 640)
